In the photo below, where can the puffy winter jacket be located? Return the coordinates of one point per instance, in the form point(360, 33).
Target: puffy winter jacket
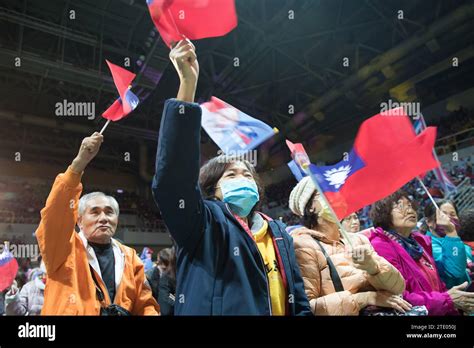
point(28, 301)
point(317, 279)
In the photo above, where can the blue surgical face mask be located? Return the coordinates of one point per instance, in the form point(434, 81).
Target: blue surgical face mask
point(240, 194)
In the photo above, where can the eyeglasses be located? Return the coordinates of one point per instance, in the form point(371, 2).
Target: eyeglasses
point(403, 208)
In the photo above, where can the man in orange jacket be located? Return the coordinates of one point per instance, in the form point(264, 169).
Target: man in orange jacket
point(88, 271)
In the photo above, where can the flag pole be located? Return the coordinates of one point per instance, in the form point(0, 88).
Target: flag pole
point(105, 126)
point(441, 171)
point(323, 196)
point(427, 192)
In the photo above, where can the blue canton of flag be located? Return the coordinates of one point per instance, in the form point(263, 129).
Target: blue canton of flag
point(332, 178)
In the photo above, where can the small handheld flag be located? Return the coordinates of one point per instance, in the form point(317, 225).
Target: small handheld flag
point(231, 129)
point(127, 102)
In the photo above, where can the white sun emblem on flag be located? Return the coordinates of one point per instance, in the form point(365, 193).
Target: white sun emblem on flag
point(133, 103)
point(337, 176)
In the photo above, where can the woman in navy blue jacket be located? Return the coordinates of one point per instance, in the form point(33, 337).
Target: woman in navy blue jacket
point(231, 260)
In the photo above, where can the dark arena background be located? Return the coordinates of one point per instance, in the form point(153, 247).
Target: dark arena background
point(313, 69)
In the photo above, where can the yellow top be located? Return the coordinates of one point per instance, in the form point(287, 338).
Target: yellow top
point(275, 280)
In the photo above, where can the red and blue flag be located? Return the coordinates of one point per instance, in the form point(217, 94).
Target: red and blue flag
point(231, 129)
point(128, 101)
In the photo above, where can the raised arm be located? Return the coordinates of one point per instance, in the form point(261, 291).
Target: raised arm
point(59, 216)
point(449, 253)
point(175, 184)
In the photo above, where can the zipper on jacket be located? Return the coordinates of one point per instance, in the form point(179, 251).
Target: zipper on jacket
point(261, 260)
point(266, 280)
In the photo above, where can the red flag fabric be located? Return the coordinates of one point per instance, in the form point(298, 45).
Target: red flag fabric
point(386, 155)
point(386, 170)
point(122, 78)
point(127, 101)
point(194, 19)
point(8, 269)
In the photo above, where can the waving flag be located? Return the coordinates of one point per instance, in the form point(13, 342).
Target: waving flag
point(439, 173)
point(386, 155)
point(194, 19)
point(127, 102)
point(231, 129)
point(8, 269)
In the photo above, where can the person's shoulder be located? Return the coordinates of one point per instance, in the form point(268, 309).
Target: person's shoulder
point(302, 238)
point(422, 239)
point(215, 207)
point(128, 251)
point(381, 243)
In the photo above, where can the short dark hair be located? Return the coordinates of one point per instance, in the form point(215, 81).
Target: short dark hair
point(212, 171)
point(381, 211)
point(467, 224)
point(167, 258)
point(430, 210)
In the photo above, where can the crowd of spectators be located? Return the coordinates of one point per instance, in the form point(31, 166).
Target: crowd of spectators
point(455, 122)
point(21, 202)
point(459, 124)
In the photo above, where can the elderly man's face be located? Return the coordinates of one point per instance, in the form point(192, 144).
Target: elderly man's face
point(99, 220)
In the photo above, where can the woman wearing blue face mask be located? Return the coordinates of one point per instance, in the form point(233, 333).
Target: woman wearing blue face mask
point(449, 250)
point(231, 259)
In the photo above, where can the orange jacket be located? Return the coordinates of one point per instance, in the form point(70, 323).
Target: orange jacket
point(70, 289)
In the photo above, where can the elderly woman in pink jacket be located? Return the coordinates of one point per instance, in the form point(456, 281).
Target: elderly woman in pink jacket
point(410, 252)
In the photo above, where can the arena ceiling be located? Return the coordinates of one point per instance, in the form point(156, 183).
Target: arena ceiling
point(282, 61)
